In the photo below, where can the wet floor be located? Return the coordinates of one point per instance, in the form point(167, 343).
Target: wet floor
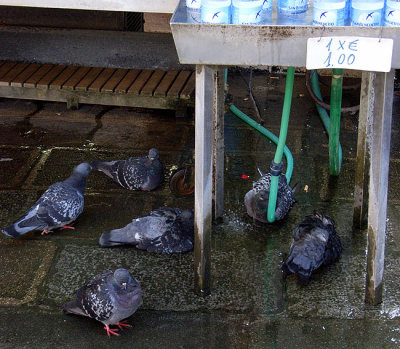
point(251, 305)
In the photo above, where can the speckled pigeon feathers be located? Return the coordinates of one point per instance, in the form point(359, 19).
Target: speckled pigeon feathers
point(107, 298)
point(165, 230)
point(315, 244)
point(59, 205)
point(136, 173)
point(256, 200)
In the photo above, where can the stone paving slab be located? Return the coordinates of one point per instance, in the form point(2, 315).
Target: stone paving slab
point(16, 108)
point(128, 128)
point(23, 266)
point(13, 204)
point(15, 164)
point(167, 281)
point(188, 330)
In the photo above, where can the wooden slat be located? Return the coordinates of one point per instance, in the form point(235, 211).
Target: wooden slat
point(97, 84)
point(49, 76)
point(179, 83)
point(24, 75)
point(114, 80)
point(127, 81)
point(63, 77)
point(75, 78)
point(88, 79)
point(152, 83)
point(166, 82)
point(137, 86)
point(38, 75)
point(5, 68)
point(188, 90)
point(12, 73)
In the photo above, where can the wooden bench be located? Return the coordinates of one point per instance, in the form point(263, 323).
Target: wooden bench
point(94, 66)
point(145, 88)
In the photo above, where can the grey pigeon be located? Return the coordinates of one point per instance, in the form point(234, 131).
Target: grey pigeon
point(59, 205)
point(165, 230)
point(256, 200)
point(108, 298)
point(136, 173)
point(314, 245)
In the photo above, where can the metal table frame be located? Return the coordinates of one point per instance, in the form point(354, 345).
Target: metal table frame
point(212, 47)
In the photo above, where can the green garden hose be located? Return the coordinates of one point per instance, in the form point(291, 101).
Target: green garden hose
point(326, 120)
point(336, 106)
point(281, 148)
point(287, 102)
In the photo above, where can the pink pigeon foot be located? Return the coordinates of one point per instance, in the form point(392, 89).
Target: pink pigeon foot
point(111, 330)
point(67, 227)
point(123, 324)
point(45, 232)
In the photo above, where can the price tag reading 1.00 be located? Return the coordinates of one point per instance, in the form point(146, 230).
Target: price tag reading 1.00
point(350, 52)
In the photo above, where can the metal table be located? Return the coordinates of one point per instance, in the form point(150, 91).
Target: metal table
point(212, 47)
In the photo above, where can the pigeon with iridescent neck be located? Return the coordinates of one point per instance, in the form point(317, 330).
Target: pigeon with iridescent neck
point(136, 173)
point(256, 199)
point(59, 205)
point(109, 298)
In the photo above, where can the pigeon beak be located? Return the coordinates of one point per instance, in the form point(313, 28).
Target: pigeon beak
point(124, 285)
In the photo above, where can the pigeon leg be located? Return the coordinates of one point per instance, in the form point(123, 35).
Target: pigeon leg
point(111, 330)
point(67, 227)
point(123, 324)
point(45, 232)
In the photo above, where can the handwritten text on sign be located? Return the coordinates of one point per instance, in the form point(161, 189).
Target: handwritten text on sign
point(351, 52)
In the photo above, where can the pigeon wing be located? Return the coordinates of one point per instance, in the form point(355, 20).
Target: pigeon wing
point(95, 300)
point(58, 205)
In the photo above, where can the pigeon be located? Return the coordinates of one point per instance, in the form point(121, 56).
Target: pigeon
point(165, 230)
point(314, 245)
point(59, 205)
point(108, 298)
point(256, 200)
point(136, 173)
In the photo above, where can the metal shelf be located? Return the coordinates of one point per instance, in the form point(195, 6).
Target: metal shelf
point(273, 43)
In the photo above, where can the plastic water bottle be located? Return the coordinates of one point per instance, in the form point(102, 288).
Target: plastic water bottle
point(292, 7)
point(347, 14)
point(329, 12)
point(267, 6)
point(392, 13)
point(247, 11)
point(193, 11)
point(215, 11)
point(367, 13)
point(193, 4)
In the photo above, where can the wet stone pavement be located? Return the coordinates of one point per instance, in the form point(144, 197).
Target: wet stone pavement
point(251, 304)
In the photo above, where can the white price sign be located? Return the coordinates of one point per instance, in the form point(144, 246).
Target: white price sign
point(350, 52)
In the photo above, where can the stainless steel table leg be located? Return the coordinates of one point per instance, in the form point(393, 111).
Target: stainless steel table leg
point(379, 119)
point(362, 160)
point(209, 163)
point(218, 151)
point(203, 176)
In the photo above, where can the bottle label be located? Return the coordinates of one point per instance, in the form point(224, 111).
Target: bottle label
point(334, 17)
point(193, 4)
point(392, 16)
point(267, 5)
point(366, 18)
point(213, 14)
point(292, 7)
point(193, 15)
point(247, 15)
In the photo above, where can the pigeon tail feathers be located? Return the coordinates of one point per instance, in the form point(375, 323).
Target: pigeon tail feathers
point(73, 308)
point(116, 237)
